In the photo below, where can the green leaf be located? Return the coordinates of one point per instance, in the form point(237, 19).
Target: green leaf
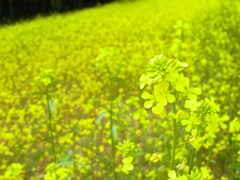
point(172, 174)
point(67, 163)
point(100, 117)
point(237, 166)
point(52, 104)
point(115, 133)
point(148, 104)
point(138, 153)
point(66, 160)
point(170, 98)
point(146, 95)
point(55, 82)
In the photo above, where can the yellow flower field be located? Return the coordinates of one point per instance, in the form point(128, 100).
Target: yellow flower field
point(73, 105)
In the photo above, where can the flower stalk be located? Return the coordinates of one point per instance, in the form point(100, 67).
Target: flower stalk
point(174, 139)
point(191, 160)
point(111, 118)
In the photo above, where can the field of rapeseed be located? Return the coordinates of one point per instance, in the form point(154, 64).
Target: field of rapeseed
point(143, 89)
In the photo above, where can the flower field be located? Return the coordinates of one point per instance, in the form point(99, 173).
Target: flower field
point(141, 89)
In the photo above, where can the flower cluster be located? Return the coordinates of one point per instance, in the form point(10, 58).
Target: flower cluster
point(164, 80)
point(45, 78)
point(127, 148)
point(203, 121)
point(156, 157)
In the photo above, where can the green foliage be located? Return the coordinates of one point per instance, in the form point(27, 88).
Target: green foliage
point(66, 159)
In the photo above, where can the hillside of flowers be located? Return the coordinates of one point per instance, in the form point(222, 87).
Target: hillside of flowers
point(142, 89)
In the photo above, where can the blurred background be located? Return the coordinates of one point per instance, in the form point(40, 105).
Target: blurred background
point(13, 10)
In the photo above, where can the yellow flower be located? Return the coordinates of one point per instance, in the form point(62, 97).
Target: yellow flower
point(156, 157)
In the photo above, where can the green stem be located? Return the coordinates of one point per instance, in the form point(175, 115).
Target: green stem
point(111, 119)
point(50, 126)
point(233, 153)
point(191, 160)
point(51, 131)
point(172, 165)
